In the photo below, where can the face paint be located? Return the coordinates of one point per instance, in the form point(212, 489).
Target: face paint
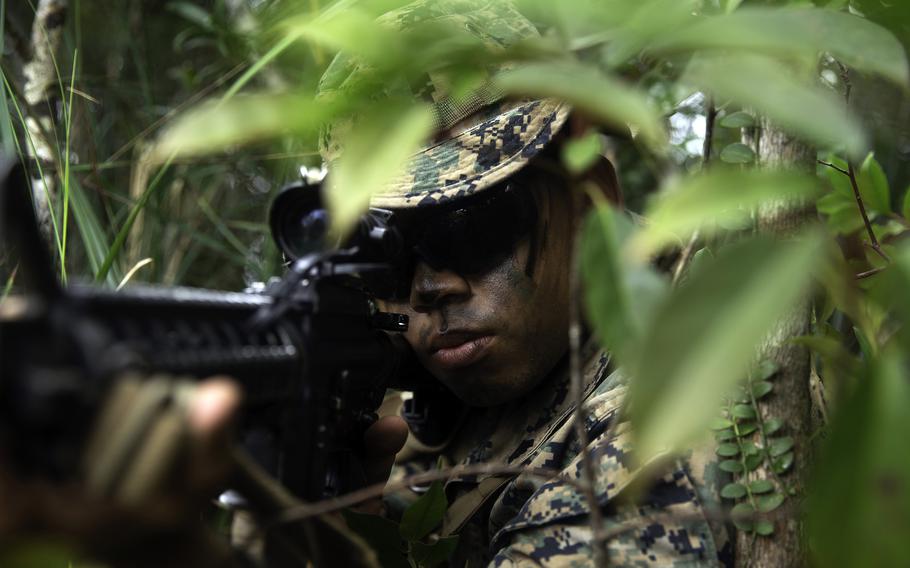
point(492, 337)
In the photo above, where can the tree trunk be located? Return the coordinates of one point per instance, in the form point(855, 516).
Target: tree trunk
point(41, 92)
point(790, 400)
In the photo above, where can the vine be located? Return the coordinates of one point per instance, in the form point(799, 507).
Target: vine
point(744, 456)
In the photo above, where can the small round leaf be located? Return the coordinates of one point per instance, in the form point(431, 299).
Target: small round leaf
point(737, 153)
point(764, 528)
point(727, 450)
point(783, 463)
point(761, 388)
point(772, 425)
point(768, 503)
point(739, 119)
point(780, 446)
point(744, 412)
point(731, 466)
point(760, 486)
point(733, 491)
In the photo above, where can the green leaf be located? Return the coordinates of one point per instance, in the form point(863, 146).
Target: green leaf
point(750, 449)
point(424, 514)
point(761, 389)
point(731, 466)
point(605, 97)
point(737, 153)
point(873, 186)
point(863, 472)
point(718, 423)
point(768, 503)
point(744, 411)
point(764, 528)
point(428, 555)
point(621, 296)
point(746, 428)
point(727, 450)
point(742, 513)
point(759, 486)
point(719, 196)
point(92, 233)
point(780, 446)
point(579, 154)
point(765, 370)
point(773, 90)
point(905, 209)
point(382, 536)
point(753, 462)
point(733, 491)
point(783, 463)
point(725, 434)
point(857, 42)
point(242, 120)
point(191, 13)
point(704, 351)
point(772, 425)
point(373, 156)
point(739, 119)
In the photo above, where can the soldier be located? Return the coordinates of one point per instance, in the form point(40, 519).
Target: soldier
point(492, 217)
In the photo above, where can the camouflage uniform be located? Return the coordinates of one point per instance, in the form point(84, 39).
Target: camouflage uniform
point(527, 520)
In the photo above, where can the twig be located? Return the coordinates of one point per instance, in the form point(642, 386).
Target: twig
point(599, 544)
point(834, 167)
point(309, 510)
point(710, 118)
point(851, 173)
point(869, 273)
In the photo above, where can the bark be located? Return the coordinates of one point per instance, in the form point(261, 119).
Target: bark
point(791, 400)
point(41, 94)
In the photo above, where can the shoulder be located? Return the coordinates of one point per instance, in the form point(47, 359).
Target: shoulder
point(666, 526)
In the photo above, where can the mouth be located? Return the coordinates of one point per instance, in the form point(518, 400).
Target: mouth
point(459, 349)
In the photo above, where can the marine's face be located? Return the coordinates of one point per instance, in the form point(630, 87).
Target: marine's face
point(492, 336)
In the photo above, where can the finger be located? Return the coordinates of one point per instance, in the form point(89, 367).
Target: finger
point(213, 406)
point(385, 437)
point(211, 410)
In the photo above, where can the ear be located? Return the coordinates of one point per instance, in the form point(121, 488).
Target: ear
point(602, 175)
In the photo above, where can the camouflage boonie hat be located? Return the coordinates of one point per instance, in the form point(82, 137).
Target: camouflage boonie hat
point(481, 139)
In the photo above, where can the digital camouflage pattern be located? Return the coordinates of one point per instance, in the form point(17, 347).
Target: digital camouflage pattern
point(531, 521)
point(481, 138)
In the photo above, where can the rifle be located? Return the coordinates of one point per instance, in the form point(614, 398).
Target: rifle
point(311, 351)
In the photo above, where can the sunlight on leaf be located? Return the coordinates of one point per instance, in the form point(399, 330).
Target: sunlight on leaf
point(719, 197)
point(854, 41)
point(372, 159)
point(241, 120)
point(770, 87)
point(605, 97)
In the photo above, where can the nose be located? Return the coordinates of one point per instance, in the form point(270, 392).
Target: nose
point(432, 288)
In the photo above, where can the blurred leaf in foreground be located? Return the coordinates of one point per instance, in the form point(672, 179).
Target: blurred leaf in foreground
point(859, 501)
point(855, 41)
point(371, 159)
point(621, 296)
point(704, 338)
point(722, 197)
point(242, 120)
point(771, 87)
point(607, 98)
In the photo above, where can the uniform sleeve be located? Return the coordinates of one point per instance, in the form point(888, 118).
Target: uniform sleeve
point(664, 528)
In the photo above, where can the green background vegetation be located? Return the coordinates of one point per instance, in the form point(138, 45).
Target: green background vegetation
point(176, 122)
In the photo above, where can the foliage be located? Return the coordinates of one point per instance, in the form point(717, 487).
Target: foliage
point(194, 200)
point(408, 543)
